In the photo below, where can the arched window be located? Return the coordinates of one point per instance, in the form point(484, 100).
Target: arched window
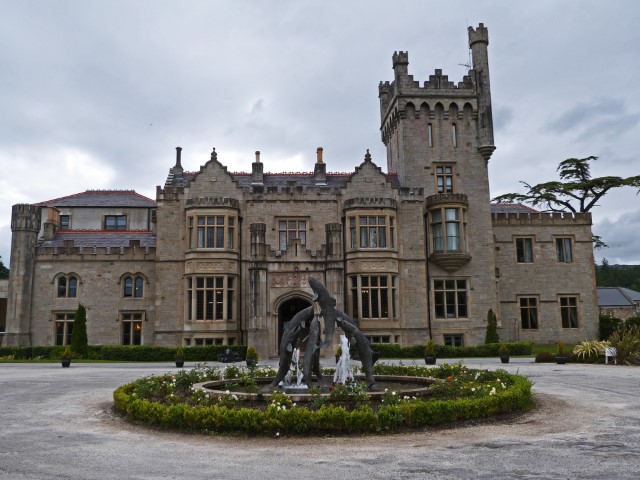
point(133, 287)
point(67, 286)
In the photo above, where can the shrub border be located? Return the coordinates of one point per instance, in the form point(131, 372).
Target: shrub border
point(325, 420)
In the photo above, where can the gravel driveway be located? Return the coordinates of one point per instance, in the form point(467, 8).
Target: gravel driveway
point(57, 423)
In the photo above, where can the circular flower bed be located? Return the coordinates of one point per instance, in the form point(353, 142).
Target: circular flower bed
point(459, 393)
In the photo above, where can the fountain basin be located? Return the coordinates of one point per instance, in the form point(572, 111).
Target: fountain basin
point(404, 386)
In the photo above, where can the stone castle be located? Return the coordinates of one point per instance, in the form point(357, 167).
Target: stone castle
point(413, 253)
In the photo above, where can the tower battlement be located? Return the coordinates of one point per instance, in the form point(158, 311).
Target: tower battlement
point(478, 35)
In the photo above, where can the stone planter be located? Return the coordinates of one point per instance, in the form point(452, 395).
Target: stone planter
point(65, 362)
point(251, 362)
point(179, 362)
point(561, 359)
point(504, 358)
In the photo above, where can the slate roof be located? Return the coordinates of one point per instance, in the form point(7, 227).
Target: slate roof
point(101, 198)
point(617, 297)
point(101, 238)
point(512, 208)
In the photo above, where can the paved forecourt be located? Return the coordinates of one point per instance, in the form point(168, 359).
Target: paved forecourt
point(58, 423)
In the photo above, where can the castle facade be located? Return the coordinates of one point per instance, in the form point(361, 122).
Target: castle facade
point(413, 252)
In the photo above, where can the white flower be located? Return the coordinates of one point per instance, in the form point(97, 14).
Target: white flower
point(503, 385)
point(227, 392)
point(493, 391)
point(473, 389)
point(393, 393)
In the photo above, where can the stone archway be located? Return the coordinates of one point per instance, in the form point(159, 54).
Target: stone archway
point(286, 312)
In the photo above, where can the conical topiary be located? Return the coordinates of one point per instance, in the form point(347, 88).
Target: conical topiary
point(492, 328)
point(79, 340)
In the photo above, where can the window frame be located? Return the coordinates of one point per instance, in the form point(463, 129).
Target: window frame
point(133, 286)
point(211, 298)
point(364, 303)
point(67, 224)
point(118, 225)
point(441, 227)
point(447, 304)
point(563, 246)
point(522, 255)
point(453, 339)
point(64, 320)
point(529, 312)
point(567, 320)
point(287, 229)
point(211, 231)
point(67, 286)
point(441, 173)
point(363, 227)
point(129, 321)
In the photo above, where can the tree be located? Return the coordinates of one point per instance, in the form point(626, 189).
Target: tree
point(79, 340)
point(4, 271)
point(576, 191)
point(492, 328)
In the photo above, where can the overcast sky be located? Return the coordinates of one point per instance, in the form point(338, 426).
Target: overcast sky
point(97, 94)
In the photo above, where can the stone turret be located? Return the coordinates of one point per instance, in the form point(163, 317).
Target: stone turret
point(478, 43)
point(25, 225)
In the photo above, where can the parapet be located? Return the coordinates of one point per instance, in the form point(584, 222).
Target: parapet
point(541, 218)
point(212, 202)
point(369, 202)
point(480, 34)
point(25, 217)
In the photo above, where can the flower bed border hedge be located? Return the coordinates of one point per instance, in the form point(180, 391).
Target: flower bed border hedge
point(326, 420)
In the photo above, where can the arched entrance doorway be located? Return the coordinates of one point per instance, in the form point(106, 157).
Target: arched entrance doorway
point(286, 312)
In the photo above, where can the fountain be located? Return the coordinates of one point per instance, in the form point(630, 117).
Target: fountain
point(344, 372)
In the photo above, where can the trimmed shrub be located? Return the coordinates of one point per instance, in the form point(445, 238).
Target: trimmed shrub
point(393, 350)
point(492, 328)
point(545, 357)
point(79, 340)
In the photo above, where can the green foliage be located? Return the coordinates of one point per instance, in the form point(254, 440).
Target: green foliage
point(4, 271)
point(150, 401)
point(251, 354)
point(430, 348)
point(66, 354)
point(180, 352)
point(393, 350)
point(545, 357)
point(626, 341)
point(627, 276)
point(576, 191)
point(608, 325)
point(492, 328)
point(560, 348)
point(504, 349)
point(589, 349)
point(79, 340)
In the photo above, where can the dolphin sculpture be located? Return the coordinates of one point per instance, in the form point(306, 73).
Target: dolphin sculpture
point(312, 353)
point(287, 344)
point(327, 309)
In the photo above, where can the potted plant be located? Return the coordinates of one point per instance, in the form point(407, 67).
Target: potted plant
point(65, 358)
point(504, 353)
point(252, 357)
point(338, 353)
point(179, 357)
point(561, 358)
point(430, 353)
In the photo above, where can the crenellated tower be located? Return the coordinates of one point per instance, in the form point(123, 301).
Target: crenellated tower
point(25, 225)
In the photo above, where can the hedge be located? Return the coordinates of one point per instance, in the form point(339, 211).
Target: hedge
point(137, 353)
point(328, 419)
point(393, 350)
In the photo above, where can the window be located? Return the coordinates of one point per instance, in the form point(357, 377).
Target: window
point(447, 229)
point(444, 178)
point(379, 338)
point(529, 313)
point(64, 328)
point(454, 339)
point(115, 222)
point(563, 250)
point(450, 298)
point(524, 250)
point(210, 298)
point(372, 231)
point(213, 231)
point(132, 328)
point(67, 286)
point(454, 134)
point(569, 312)
point(290, 230)
point(430, 135)
point(373, 296)
point(64, 222)
point(133, 287)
